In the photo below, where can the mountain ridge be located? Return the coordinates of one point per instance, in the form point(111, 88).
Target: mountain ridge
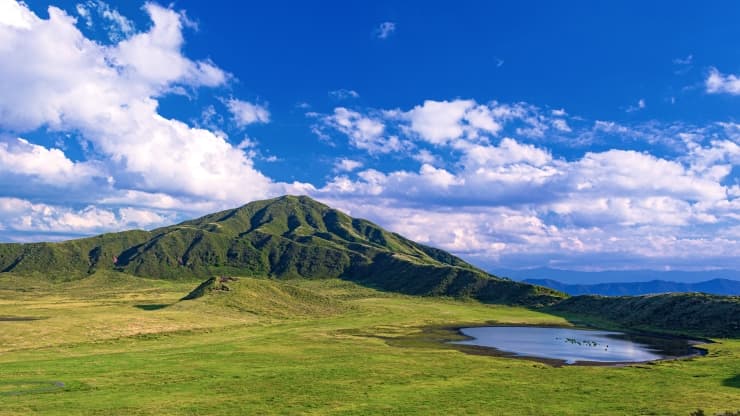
point(724, 287)
point(285, 237)
point(616, 276)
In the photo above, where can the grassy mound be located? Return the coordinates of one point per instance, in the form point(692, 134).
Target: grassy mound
point(263, 297)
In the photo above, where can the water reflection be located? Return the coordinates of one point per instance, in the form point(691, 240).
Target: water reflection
point(576, 345)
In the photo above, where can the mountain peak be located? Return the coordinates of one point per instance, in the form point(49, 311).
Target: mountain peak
point(285, 237)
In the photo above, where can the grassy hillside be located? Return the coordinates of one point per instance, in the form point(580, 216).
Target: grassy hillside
point(286, 237)
point(688, 313)
point(262, 297)
point(114, 344)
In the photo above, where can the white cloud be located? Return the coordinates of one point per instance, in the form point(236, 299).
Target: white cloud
point(503, 236)
point(634, 174)
point(639, 106)
point(623, 194)
point(385, 29)
point(449, 122)
point(508, 152)
point(425, 156)
point(52, 76)
point(439, 121)
point(161, 202)
point(48, 166)
point(347, 165)
point(245, 113)
point(155, 57)
point(364, 132)
point(610, 127)
point(561, 125)
point(482, 119)
point(343, 94)
point(15, 15)
point(247, 143)
point(24, 216)
point(513, 201)
point(718, 83)
point(118, 26)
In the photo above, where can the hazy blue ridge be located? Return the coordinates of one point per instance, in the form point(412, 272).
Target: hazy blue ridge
point(715, 287)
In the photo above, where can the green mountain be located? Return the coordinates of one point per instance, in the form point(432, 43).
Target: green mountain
point(286, 237)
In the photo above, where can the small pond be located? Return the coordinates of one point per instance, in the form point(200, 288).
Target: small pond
point(577, 345)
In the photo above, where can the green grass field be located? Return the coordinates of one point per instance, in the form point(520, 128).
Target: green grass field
point(115, 344)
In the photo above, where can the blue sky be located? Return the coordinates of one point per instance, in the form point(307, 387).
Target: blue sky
point(585, 136)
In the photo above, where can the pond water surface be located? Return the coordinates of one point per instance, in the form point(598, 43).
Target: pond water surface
point(577, 345)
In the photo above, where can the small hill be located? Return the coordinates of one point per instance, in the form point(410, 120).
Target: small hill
point(687, 313)
point(264, 297)
point(282, 238)
point(723, 287)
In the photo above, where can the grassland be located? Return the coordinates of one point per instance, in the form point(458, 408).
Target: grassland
point(116, 344)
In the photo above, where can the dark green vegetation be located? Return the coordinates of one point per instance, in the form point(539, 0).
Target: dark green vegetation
point(286, 237)
point(115, 344)
point(684, 313)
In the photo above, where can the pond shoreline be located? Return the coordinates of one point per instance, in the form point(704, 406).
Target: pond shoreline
point(492, 351)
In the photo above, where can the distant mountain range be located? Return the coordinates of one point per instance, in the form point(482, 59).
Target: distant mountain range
point(715, 286)
point(618, 276)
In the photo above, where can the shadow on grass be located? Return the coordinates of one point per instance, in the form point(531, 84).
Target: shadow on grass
point(732, 382)
point(151, 306)
point(21, 318)
point(29, 387)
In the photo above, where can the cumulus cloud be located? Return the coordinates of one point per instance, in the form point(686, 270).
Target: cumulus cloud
point(155, 58)
point(347, 165)
point(364, 132)
point(449, 122)
point(718, 83)
point(49, 166)
point(613, 187)
point(15, 15)
point(500, 200)
point(561, 125)
point(22, 216)
point(245, 113)
point(52, 76)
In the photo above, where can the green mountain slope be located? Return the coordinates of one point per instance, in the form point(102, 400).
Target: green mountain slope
point(687, 313)
point(286, 237)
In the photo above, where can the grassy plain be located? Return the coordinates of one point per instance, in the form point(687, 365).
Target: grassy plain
point(114, 344)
